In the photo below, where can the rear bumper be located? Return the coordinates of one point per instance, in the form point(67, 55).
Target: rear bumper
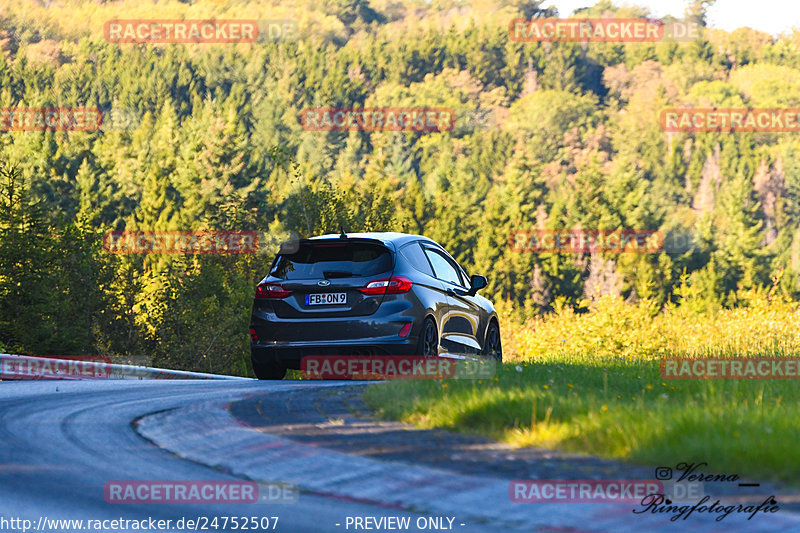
point(291, 354)
point(288, 340)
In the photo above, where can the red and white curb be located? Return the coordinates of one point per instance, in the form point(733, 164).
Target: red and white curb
point(208, 434)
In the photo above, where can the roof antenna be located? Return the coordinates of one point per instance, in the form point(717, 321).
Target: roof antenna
point(342, 235)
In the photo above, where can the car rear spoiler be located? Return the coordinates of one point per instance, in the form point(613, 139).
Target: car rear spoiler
point(290, 247)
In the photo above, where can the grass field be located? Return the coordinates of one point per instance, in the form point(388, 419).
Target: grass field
point(590, 383)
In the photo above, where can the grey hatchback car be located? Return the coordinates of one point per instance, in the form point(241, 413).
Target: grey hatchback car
point(368, 294)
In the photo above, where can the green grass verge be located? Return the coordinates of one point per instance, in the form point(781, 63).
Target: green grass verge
point(615, 408)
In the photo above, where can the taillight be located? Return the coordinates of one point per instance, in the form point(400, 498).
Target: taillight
point(393, 285)
point(253, 336)
point(271, 291)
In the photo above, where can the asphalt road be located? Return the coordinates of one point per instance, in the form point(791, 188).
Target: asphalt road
point(63, 442)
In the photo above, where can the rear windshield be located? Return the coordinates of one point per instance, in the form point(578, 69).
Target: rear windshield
point(333, 260)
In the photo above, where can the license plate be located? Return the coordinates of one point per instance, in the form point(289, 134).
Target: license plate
point(327, 298)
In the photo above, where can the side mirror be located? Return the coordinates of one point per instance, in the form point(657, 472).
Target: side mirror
point(476, 283)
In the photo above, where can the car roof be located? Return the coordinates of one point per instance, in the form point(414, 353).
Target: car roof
point(398, 239)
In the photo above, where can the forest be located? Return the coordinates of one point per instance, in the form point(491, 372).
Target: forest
point(546, 136)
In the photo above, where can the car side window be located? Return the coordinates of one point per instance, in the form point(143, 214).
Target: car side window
point(464, 278)
point(443, 268)
point(416, 258)
point(465, 281)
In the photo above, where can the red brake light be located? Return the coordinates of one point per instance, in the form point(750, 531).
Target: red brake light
point(271, 291)
point(393, 285)
point(253, 336)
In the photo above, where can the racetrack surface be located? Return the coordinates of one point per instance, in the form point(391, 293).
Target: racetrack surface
point(62, 441)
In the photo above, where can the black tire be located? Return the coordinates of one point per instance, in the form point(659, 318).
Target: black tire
point(269, 370)
point(492, 346)
point(428, 343)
